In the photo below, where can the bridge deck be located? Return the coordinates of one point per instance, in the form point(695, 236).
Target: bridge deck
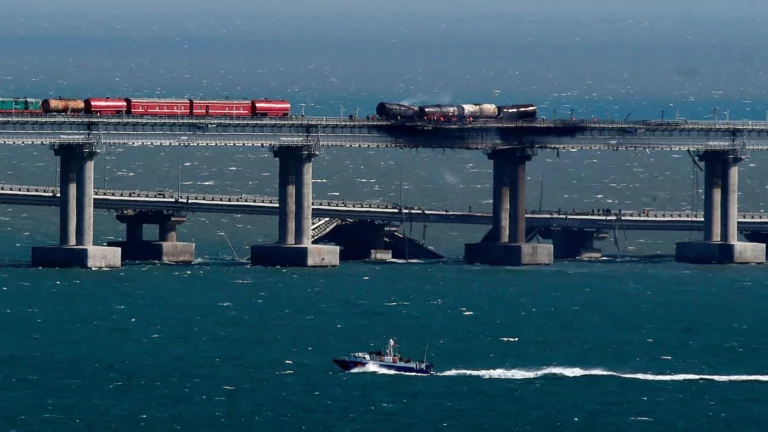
point(325, 131)
point(126, 200)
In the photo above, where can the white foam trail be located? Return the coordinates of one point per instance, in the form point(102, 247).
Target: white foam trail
point(374, 368)
point(520, 374)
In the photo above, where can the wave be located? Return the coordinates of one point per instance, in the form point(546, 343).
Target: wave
point(520, 374)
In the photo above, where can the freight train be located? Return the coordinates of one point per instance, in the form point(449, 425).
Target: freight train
point(148, 107)
point(448, 113)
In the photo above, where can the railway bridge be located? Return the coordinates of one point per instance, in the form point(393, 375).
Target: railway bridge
point(719, 146)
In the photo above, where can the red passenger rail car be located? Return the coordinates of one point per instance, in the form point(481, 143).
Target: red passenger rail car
point(221, 108)
point(159, 107)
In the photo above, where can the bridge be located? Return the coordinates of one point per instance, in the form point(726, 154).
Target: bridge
point(127, 130)
point(77, 140)
point(573, 233)
point(135, 201)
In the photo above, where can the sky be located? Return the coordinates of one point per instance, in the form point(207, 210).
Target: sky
point(598, 50)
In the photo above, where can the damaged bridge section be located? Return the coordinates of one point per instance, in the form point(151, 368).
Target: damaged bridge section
point(364, 240)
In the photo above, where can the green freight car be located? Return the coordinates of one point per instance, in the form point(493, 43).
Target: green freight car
point(20, 106)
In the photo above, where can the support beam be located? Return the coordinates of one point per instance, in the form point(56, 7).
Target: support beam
point(729, 203)
point(134, 231)
point(165, 249)
point(287, 197)
point(517, 200)
point(304, 199)
point(84, 226)
point(501, 200)
point(712, 194)
point(167, 232)
point(68, 197)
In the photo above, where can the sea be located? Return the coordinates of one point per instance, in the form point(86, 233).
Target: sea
point(632, 341)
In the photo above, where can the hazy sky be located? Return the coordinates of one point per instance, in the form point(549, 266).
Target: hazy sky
point(309, 49)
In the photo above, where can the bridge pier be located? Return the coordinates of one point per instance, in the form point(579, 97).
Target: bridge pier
point(294, 247)
point(76, 247)
point(721, 189)
point(575, 243)
point(508, 246)
point(165, 249)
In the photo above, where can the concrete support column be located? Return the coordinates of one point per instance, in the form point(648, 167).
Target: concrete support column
point(304, 199)
point(712, 194)
point(501, 200)
point(134, 232)
point(287, 197)
point(84, 226)
point(167, 232)
point(295, 248)
point(517, 201)
point(720, 243)
point(729, 202)
point(68, 198)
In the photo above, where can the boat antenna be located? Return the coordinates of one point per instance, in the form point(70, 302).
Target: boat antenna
point(425, 349)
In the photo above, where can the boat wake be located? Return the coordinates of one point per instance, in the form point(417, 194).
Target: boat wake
point(521, 374)
point(374, 368)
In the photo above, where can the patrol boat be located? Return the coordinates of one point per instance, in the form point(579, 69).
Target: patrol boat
point(387, 359)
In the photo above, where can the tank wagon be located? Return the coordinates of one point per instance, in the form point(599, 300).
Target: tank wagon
point(63, 106)
point(518, 112)
point(466, 112)
point(394, 111)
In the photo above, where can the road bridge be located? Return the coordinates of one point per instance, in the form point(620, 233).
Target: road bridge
point(133, 201)
point(572, 233)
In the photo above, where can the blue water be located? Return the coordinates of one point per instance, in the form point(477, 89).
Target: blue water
point(636, 342)
point(615, 345)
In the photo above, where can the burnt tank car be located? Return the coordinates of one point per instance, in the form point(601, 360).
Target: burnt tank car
point(518, 112)
point(63, 106)
point(394, 110)
point(436, 111)
point(478, 111)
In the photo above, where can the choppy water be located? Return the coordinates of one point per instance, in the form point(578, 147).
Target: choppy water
point(621, 345)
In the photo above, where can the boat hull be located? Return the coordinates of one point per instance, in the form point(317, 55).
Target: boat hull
point(414, 368)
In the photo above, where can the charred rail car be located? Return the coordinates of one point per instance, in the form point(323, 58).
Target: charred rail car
point(394, 111)
point(518, 112)
point(478, 111)
point(63, 106)
point(437, 112)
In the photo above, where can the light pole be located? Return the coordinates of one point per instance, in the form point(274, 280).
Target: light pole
point(302, 110)
point(342, 112)
point(178, 176)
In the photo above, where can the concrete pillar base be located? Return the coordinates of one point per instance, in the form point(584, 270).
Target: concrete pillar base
point(380, 255)
point(94, 257)
point(575, 243)
point(173, 252)
point(701, 252)
point(277, 255)
point(508, 254)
